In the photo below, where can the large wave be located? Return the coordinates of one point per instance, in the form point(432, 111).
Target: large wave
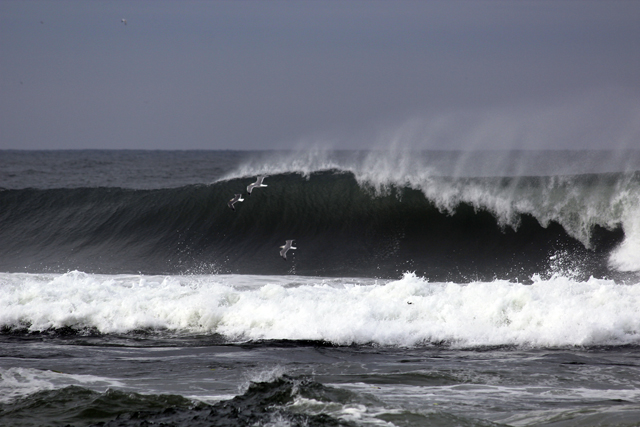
point(368, 214)
point(583, 191)
point(459, 230)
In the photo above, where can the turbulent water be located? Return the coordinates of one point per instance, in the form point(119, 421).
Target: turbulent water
point(426, 288)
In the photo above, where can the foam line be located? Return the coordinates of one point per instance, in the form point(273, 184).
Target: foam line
point(405, 312)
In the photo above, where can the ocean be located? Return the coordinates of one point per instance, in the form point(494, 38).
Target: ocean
point(426, 288)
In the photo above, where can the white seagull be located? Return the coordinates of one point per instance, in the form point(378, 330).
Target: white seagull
point(258, 183)
point(288, 245)
point(236, 198)
point(124, 21)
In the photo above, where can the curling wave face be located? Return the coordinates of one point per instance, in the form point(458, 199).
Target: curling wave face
point(446, 216)
point(580, 190)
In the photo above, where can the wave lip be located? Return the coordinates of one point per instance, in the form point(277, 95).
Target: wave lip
point(411, 311)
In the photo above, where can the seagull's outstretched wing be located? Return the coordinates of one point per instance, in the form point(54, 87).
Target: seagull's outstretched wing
point(236, 198)
point(287, 246)
point(258, 183)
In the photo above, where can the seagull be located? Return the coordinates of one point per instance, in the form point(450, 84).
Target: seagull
point(258, 183)
point(124, 21)
point(288, 245)
point(236, 198)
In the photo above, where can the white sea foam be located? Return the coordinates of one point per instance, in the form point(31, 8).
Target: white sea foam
point(626, 257)
point(19, 382)
point(410, 311)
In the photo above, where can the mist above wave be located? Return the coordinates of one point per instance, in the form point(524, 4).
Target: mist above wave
point(395, 164)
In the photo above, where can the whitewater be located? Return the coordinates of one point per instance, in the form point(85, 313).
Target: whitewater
point(406, 312)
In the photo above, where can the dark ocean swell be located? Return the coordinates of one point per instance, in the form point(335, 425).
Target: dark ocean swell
point(341, 227)
point(261, 404)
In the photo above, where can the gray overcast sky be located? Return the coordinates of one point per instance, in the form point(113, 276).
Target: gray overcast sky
point(245, 74)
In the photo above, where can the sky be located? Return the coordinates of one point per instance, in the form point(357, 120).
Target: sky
point(339, 74)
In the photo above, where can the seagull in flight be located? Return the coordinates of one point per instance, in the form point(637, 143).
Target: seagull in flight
point(258, 184)
point(236, 198)
point(288, 245)
point(124, 21)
